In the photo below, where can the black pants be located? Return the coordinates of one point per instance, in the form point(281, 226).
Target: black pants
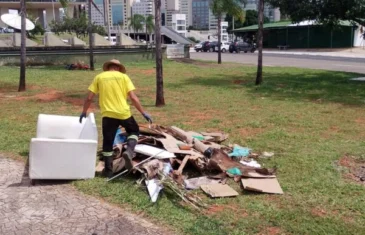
point(110, 127)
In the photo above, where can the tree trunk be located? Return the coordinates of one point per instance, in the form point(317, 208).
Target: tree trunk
point(23, 47)
point(160, 99)
point(219, 39)
point(260, 36)
point(91, 39)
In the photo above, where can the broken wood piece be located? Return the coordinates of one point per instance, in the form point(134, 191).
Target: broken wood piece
point(198, 145)
point(219, 190)
point(267, 185)
point(218, 137)
point(100, 167)
point(181, 167)
point(181, 134)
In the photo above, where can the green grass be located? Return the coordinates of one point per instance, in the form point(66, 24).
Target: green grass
point(309, 118)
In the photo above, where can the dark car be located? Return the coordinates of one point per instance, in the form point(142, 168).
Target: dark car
point(209, 46)
point(242, 46)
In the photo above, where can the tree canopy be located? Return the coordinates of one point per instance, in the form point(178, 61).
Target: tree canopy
point(251, 18)
point(327, 12)
point(79, 26)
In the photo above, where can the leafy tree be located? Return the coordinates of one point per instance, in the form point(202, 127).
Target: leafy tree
point(328, 12)
point(136, 22)
point(149, 25)
point(79, 26)
point(251, 18)
point(221, 7)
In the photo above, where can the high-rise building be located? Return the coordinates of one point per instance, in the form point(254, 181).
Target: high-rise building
point(185, 7)
point(272, 13)
point(143, 7)
point(200, 14)
point(117, 10)
point(179, 23)
point(96, 16)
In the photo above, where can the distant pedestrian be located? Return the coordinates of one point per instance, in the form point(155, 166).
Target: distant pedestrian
point(114, 88)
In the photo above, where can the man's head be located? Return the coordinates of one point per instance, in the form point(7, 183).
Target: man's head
point(114, 65)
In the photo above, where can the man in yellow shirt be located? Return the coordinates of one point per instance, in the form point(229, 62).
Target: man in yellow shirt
point(114, 88)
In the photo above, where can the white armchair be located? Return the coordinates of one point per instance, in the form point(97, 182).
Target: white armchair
point(63, 148)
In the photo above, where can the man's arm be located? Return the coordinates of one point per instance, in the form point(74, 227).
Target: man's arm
point(87, 104)
point(135, 101)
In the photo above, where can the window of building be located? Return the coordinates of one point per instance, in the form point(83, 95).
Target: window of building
point(180, 28)
point(180, 21)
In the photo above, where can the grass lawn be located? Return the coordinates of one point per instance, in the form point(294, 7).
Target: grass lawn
point(309, 118)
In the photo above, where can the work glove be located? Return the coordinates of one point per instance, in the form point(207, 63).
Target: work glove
point(147, 117)
point(83, 115)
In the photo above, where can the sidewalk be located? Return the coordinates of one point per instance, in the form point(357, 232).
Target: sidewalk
point(343, 53)
point(58, 208)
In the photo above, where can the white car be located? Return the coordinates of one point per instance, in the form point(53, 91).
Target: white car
point(224, 47)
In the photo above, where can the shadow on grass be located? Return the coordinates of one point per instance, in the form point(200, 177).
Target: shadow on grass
point(298, 85)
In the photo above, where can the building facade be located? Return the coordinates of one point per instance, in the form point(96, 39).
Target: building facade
point(179, 23)
point(143, 7)
point(272, 13)
point(45, 10)
point(200, 14)
point(185, 7)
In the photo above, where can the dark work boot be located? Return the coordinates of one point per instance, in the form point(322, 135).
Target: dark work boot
point(108, 169)
point(128, 153)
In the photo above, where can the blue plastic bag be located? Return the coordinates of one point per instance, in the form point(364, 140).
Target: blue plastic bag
point(239, 151)
point(234, 171)
point(119, 137)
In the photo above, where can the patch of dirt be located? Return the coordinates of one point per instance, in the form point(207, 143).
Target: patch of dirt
point(319, 212)
point(356, 168)
point(330, 131)
point(148, 72)
point(239, 82)
point(249, 132)
point(216, 209)
point(54, 95)
point(360, 121)
point(271, 231)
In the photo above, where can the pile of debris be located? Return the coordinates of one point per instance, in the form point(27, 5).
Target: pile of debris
point(163, 152)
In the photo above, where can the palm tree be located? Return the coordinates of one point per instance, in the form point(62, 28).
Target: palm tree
point(150, 25)
point(23, 48)
point(260, 36)
point(221, 7)
point(136, 23)
point(160, 99)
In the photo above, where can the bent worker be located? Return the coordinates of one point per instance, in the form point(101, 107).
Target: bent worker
point(114, 88)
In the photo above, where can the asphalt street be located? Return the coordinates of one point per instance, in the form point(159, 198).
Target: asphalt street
point(356, 65)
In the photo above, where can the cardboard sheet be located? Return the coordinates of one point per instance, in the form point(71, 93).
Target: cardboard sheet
point(195, 183)
point(219, 190)
point(268, 185)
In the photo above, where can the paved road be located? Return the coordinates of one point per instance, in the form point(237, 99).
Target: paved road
point(50, 208)
point(356, 65)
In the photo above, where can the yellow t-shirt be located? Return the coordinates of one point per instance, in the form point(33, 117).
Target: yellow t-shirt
point(113, 88)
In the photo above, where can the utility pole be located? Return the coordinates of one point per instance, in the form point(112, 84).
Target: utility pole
point(91, 39)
